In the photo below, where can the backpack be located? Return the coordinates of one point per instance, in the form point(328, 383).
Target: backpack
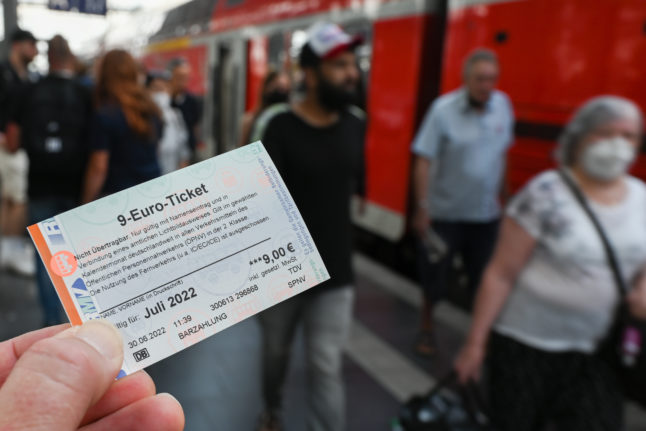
point(54, 116)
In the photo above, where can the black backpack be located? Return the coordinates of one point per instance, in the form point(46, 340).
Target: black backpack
point(55, 116)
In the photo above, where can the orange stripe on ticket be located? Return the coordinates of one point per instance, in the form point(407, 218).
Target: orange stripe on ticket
point(61, 289)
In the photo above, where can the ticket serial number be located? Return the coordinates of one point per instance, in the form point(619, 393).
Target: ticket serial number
point(238, 295)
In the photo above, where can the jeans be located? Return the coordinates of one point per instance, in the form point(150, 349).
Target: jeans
point(326, 319)
point(41, 209)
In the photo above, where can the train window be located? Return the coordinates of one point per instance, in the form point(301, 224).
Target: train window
point(298, 39)
point(364, 52)
point(276, 50)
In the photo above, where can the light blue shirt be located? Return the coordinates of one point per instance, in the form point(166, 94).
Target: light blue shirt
point(467, 149)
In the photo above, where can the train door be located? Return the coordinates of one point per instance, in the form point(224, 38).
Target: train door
point(403, 69)
point(228, 93)
point(264, 53)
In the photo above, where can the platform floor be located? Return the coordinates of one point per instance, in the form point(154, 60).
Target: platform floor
point(218, 380)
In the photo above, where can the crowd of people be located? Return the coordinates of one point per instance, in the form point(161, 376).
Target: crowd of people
point(69, 138)
point(544, 294)
point(539, 268)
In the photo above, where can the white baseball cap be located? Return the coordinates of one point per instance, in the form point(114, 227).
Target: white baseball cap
point(328, 40)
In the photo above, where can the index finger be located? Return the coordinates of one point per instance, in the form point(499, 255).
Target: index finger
point(11, 350)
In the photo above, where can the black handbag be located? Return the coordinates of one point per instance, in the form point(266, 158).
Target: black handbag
point(440, 410)
point(625, 328)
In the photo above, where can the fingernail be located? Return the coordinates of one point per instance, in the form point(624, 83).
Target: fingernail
point(167, 395)
point(103, 336)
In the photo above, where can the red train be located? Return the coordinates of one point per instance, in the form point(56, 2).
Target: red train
point(554, 55)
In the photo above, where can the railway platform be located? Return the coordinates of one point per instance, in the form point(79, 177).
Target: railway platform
point(218, 380)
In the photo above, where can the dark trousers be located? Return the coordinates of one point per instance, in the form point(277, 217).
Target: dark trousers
point(41, 209)
point(530, 388)
point(474, 242)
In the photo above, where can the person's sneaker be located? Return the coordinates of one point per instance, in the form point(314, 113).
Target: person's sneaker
point(18, 256)
point(269, 421)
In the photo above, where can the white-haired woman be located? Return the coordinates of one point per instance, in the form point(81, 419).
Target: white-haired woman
point(548, 297)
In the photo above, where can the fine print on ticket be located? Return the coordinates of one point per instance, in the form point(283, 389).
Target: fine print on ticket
point(179, 258)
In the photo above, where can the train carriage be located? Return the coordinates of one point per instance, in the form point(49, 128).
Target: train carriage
point(400, 59)
point(554, 55)
point(566, 53)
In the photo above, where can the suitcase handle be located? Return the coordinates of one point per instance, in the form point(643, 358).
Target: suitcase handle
point(471, 396)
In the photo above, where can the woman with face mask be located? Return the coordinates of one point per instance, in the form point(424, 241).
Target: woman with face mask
point(548, 297)
point(275, 90)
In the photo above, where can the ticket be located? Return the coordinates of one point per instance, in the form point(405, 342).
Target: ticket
point(179, 258)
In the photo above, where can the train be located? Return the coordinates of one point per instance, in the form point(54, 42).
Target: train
point(553, 54)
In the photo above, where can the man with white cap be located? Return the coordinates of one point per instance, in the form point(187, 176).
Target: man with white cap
point(317, 146)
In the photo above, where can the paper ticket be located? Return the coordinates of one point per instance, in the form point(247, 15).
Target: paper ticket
point(179, 258)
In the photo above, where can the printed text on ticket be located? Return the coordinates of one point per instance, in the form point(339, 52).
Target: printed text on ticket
point(179, 258)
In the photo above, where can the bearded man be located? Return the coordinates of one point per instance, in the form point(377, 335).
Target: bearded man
point(317, 145)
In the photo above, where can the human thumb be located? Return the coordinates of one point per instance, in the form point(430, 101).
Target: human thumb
point(57, 379)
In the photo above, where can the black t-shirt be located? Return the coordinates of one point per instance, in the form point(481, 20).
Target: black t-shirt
point(54, 118)
point(133, 158)
point(322, 168)
point(191, 110)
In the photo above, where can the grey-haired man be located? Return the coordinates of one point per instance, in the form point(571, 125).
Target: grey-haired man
point(459, 168)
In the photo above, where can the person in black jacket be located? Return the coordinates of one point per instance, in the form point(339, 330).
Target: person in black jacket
point(51, 124)
point(15, 250)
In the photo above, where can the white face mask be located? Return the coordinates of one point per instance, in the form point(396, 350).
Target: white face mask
point(161, 98)
point(608, 159)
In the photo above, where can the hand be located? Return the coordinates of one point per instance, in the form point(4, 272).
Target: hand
point(637, 300)
point(468, 364)
point(421, 222)
point(62, 378)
